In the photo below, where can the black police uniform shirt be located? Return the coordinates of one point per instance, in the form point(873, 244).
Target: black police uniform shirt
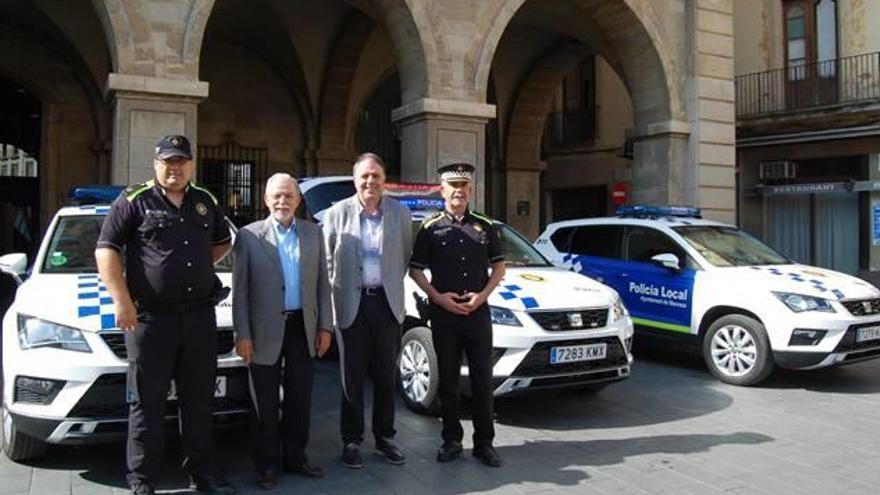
point(167, 250)
point(458, 253)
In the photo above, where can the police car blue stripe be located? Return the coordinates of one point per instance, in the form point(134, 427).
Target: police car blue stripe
point(88, 311)
point(87, 295)
point(86, 285)
point(108, 321)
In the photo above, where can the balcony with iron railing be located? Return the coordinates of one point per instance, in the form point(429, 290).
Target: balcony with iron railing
point(819, 87)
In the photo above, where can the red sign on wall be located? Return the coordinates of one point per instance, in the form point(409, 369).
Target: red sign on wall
point(619, 193)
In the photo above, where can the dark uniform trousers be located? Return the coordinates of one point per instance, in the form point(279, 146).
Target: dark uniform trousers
point(178, 343)
point(471, 334)
point(369, 345)
point(270, 442)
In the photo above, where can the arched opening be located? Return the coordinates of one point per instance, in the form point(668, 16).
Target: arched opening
point(20, 126)
point(52, 57)
point(573, 79)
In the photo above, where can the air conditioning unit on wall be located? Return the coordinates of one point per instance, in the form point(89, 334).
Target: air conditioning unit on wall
point(779, 169)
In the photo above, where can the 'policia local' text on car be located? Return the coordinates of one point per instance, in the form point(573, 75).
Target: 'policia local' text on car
point(711, 286)
point(64, 360)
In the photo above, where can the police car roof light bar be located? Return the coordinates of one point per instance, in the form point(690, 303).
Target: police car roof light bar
point(649, 211)
point(98, 194)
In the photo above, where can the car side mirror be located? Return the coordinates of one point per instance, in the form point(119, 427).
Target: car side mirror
point(666, 260)
point(14, 264)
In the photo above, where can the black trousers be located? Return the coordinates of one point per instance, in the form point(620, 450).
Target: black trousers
point(166, 345)
point(274, 445)
point(369, 347)
point(471, 334)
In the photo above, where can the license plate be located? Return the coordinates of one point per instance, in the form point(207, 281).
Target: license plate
point(575, 353)
point(868, 333)
point(219, 388)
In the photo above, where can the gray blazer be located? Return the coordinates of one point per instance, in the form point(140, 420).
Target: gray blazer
point(342, 237)
point(258, 283)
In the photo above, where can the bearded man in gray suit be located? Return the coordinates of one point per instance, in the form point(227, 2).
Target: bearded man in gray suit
point(368, 243)
point(281, 313)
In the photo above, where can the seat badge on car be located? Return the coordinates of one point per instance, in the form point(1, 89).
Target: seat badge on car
point(575, 320)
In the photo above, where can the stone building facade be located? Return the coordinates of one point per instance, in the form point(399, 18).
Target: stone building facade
point(303, 86)
point(808, 140)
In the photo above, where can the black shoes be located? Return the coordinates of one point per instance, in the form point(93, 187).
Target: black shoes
point(392, 453)
point(351, 456)
point(305, 468)
point(143, 489)
point(449, 451)
point(487, 455)
point(211, 484)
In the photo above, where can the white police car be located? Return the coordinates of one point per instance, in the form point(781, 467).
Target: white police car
point(711, 286)
point(551, 328)
point(64, 360)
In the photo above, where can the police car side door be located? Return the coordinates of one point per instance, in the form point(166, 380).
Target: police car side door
point(658, 298)
point(596, 251)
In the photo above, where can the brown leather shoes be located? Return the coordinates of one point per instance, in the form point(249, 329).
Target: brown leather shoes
point(267, 480)
point(306, 469)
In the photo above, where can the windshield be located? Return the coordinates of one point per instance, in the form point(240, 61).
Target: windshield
point(729, 246)
point(72, 247)
point(321, 197)
point(517, 251)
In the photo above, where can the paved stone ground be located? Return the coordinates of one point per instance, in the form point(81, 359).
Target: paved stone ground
point(670, 429)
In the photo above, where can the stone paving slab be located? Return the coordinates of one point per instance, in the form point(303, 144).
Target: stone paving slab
point(670, 429)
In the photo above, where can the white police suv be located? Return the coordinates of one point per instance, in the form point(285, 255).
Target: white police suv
point(551, 328)
point(710, 286)
point(64, 360)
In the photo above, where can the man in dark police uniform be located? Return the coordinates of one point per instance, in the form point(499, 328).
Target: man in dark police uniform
point(459, 247)
point(171, 232)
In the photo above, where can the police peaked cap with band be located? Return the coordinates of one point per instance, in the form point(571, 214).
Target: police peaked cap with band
point(456, 172)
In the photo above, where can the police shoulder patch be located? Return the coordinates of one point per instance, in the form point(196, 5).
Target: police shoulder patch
point(133, 191)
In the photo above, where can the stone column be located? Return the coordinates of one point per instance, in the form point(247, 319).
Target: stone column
point(436, 132)
point(523, 199)
point(711, 106)
point(145, 109)
point(661, 171)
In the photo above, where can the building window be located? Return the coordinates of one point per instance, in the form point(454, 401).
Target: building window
point(573, 119)
point(810, 36)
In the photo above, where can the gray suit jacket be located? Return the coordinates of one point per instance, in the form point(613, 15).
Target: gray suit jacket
point(258, 283)
point(342, 236)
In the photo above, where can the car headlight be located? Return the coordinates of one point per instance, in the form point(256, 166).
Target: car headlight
point(800, 303)
point(504, 316)
point(34, 333)
point(618, 310)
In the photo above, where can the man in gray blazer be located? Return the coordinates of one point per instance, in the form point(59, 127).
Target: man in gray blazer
point(281, 313)
point(368, 243)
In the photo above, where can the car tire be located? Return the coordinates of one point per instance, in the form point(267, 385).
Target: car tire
point(16, 445)
point(418, 380)
point(737, 351)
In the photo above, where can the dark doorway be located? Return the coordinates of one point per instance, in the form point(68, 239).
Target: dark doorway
point(20, 131)
point(236, 175)
point(580, 202)
point(375, 131)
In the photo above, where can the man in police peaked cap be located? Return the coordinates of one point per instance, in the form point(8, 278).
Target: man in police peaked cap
point(171, 231)
point(458, 246)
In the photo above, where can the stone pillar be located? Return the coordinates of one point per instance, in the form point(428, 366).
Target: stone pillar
point(145, 109)
point(661, 172)
point(711, 107)
point(436, 132)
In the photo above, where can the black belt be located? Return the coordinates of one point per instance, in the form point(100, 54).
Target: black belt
point(174, 308)
point(373, 291)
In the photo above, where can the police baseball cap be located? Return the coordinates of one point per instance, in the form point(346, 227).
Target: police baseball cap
point(173, 145)
point(456, 172)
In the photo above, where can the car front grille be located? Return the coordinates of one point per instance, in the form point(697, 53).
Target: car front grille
point(862, 307)
point(564, 321)
point(105, 399)
point(537, 361)
point(116, 342)
point(848, 341)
